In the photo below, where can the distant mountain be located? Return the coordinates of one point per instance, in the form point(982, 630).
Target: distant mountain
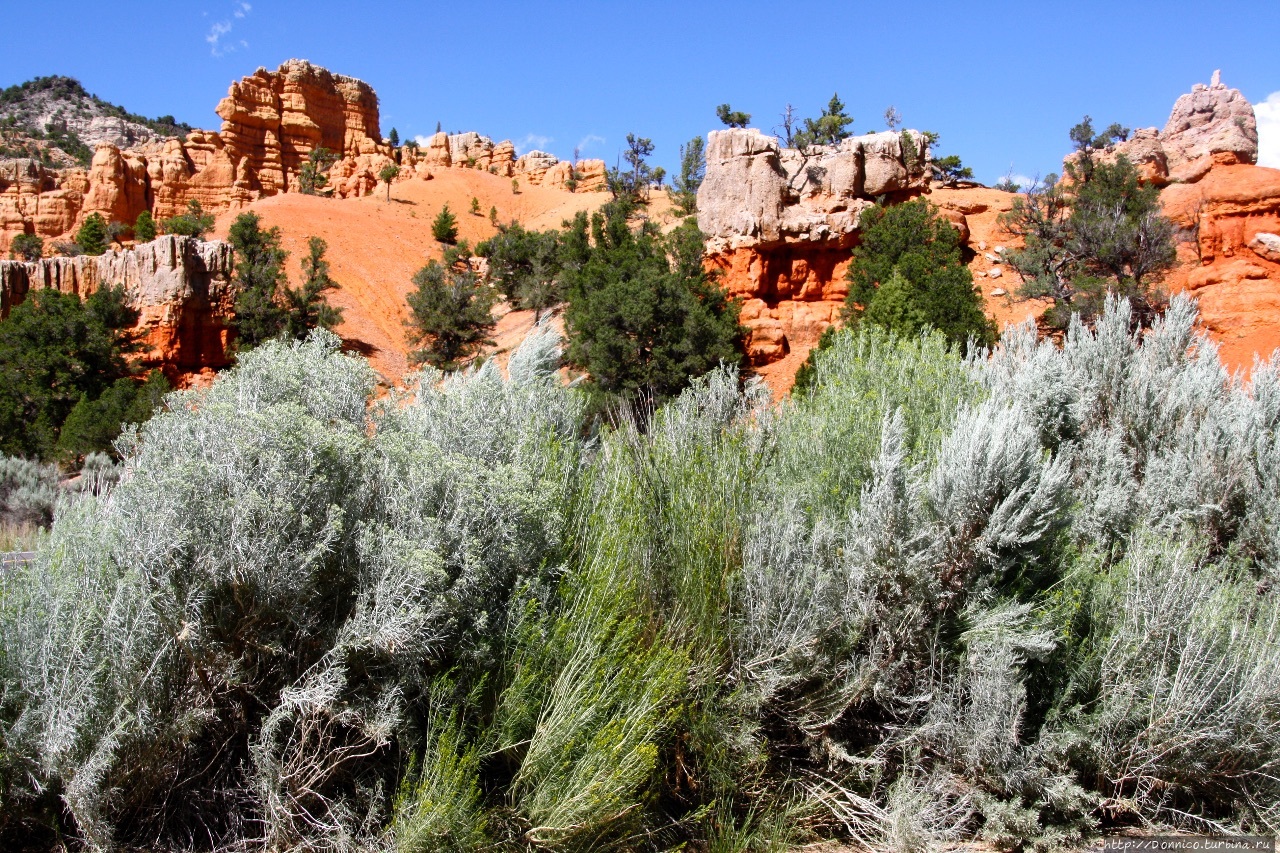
point(55, 120)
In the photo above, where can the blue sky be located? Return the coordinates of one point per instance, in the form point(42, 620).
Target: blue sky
point(1000, 81)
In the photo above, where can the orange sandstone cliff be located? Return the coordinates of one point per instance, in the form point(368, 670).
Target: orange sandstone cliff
point(180, 286)
point(271, 122)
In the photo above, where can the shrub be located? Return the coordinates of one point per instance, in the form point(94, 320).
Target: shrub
point(193, 223)
point(444, 228)
point(28, 247)
point(144, 227)
point(1016, 598)
point(450, 313)
point(908, 274)
point(92, 236)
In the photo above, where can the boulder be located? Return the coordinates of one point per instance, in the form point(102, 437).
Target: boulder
point(1266, 245)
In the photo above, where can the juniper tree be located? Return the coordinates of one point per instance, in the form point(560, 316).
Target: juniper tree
point(1099, 231)
point(693, 167)
point(194, 222)
point(642, 315)
point(827, 129)
point(732, 118)
point(387, 174)
point(259, 278)
point(445, 226)
point(92, 235)
point(908, 274)
point(144, 227)
point(450, 312)
point(27, 247)
point(313, 176)
point(306, 306)
point(55, 349)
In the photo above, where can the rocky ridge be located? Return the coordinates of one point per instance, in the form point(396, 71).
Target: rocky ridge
point(180, 286)
point(272, 121)
point(780, 222)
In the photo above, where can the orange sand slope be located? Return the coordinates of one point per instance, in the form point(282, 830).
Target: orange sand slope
point(376, 246)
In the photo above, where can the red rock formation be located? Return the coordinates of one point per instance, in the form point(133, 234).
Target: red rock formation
point(272, 120)
point(1232, 217)
point(181, 288)
point(780, 224)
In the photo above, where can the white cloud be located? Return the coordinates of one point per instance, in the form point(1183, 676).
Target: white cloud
point(588, 141)
point(532, 142)
point(423, 141)
point(219, 45)
point(1268, 113)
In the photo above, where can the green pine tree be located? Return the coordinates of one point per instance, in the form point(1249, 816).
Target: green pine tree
point(92, 236)
point(144, 227)
point(450, 313)
point(306, 307)
point(259, 276)
point(642, 315)
point(445, 226)
point(908, 274)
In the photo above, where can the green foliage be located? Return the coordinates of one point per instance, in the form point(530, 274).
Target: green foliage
point(827, 129)
point(313, 176)
point(144, 227)
point(1015, 599)
point(440, 807)
point(475, 207)
point(259, 280)
point(394, 138)
point(445, 226)
point(450, 313)
point(387, 174)
point(908, 274)
point(307, 307)
point(194, 223)
point(950, 170)
point(493, 215)
point(633, 185)
point(54, 349)
point(28, 247)
point(92, 235)
point(732, 118)
point(525, 266)
point(515, 186)
point(1007, 185)
point(58, 135)
point(642, 315)
point(70, 89)
point(1099, 232)
point(693, 168)
point(93, 425)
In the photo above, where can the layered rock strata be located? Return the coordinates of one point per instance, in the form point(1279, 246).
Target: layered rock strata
point(180, 287)
point(271, 122)
point(780, 223)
